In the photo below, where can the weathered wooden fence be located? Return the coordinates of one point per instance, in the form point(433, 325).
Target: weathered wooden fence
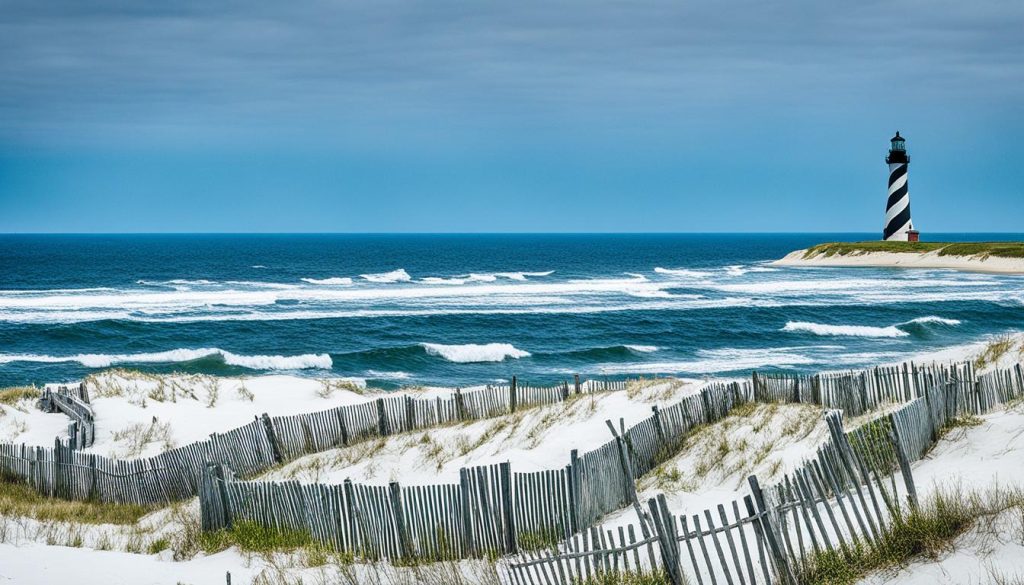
point(589, 487)
point(498, 508)
point(64, 471)
point(73, 401)
point(832, 505)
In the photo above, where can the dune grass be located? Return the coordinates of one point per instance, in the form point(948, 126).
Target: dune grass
point(19, 499)
point(994, 350)
point(973, 249)
point(627, 578)
point(926, 532)
point(15, 394)
point(252, 537)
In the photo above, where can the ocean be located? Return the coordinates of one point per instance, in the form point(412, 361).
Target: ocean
point(459, 310)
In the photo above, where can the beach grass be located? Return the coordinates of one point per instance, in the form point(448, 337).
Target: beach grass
point(15, 394)
point(18, 499)
point(926, 532)
point(970, 249)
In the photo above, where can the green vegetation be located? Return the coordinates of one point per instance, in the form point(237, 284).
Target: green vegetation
point(978, 249)
point(627, 579)
point(250, 536)
point(539, 540)
point(16, 394)
point(924, 532)
point(994, 350)
point(19, 499)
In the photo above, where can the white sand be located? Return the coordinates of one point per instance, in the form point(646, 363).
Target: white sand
point(933, 260)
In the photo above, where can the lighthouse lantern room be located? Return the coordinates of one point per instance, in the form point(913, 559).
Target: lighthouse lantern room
point(898, 226)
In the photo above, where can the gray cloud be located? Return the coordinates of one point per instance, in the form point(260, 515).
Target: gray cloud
point(195, 71)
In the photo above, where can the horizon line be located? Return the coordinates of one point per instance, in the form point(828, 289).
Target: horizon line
point(494, 233)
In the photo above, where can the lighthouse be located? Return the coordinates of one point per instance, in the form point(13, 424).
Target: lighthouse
point(898, 226)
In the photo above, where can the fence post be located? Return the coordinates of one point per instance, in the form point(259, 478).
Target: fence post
point(350, 516)
point(664, 528)
point(576, 383)
point(404, 546)
point(410, 413)
point(1020, 378)
point(275, 446)
point(901, 455)
point(469, 545)
point(906, 382)
point(343, 425)
point(460, 404)
point(507, 509)
point(575, 489)
point(213, 502)
point(382, 418)
point(565, 390)
point(657, 426)
point(58, 473)
point(512, 395)
point(93, 490)
point(782, 565)
point(705, 400)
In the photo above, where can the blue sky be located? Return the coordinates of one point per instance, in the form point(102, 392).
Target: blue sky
point(518, 116)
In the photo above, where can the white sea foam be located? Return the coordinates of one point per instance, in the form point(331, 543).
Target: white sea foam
point(257, 266)
point(256, 362)
point(864, 330)
point(686, 273)
point(482, 277)
point(740, 269)
point(642, 348)
point(378, 375)
point(844, 330)
point(438, 280)
point(522, 275)
point(338, 280)
point(714, 361)
point(934, 319)
point(399, 275)
point(255, 301)
point(473, 353)
point(486, 306)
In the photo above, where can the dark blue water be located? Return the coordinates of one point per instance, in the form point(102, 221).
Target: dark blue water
point(467, 309)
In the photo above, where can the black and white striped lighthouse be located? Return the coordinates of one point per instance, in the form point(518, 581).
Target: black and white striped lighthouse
point(898, 225)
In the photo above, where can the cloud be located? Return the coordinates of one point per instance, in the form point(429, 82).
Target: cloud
point(191, 71)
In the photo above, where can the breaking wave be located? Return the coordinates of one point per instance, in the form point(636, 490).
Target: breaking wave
point(905, 329)
point(474, 353)
point(682, 272)
point(399, 275)
point(342, 280)
point(254, 362)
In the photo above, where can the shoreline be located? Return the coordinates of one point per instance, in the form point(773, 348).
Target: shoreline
point(926, 260)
